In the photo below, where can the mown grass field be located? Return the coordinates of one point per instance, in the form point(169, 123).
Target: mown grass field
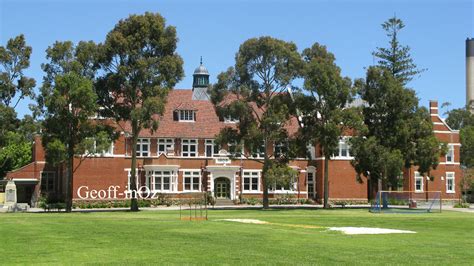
point(160, 237)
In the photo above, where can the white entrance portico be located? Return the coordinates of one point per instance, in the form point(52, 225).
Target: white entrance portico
point(220, 172)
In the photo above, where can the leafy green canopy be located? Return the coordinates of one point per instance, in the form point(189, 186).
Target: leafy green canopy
point(140, 66)
point(321, 104)
point(254, 91)
point(14, 58)
point(398, 132)
point(15, 134)
point(67, 102)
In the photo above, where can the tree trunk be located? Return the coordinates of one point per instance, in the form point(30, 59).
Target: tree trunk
point(133, 172)
point(69, 180)
point(326, 182)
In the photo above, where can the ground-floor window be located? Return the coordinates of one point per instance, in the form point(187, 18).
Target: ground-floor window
point(47, 182)
point(192, 180)
point(450, 184)
point(162, 180)
point(418, 182)
point(251, 181)
point(310, 179)
point(137, 179)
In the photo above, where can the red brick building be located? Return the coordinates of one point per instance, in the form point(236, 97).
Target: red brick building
point(181, 157)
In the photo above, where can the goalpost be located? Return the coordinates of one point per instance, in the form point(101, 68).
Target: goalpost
point(195, 206)
point(407, 202)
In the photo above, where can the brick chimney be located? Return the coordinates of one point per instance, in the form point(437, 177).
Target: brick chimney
point(38, 151)
point(433, 107)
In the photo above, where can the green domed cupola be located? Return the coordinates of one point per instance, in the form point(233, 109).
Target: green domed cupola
point(200, 83)
point(200, 76)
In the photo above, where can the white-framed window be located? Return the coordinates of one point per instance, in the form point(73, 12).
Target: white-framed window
point(189, 147)
point(259, 151)
point(344, 149)
point(47, 181)
point(164, 145)
point(450, 182)
point(143, 147)
point(310, 181)
point(211, 148)
point(251, 181)
point(280, 149)
point(418, 182)
point(187, 115)
point(162, 181)
point(107, 152)
point(129, 178)
point(231, 119)
point(450, 154)
point(233, 149)
point(192, 180)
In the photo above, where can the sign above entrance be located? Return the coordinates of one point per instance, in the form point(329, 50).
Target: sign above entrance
point(222, 157)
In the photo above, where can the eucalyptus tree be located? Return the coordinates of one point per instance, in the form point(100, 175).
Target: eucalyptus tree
point(140, 66)
point(68, 101)
point(15, 147)
point(321, 104)
point(255, 92)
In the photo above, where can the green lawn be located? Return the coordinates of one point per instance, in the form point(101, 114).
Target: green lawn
point(160, 237)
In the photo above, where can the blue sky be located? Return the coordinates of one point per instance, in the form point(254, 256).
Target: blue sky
point(435, 30)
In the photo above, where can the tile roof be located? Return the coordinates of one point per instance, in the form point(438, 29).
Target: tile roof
point(207, 124)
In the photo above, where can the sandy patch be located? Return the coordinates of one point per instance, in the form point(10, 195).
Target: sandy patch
point(246, 221)
point(368, 231)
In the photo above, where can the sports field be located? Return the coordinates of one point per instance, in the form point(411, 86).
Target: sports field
point(290, 237)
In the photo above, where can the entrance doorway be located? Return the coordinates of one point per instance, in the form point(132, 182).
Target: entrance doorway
point(222, 188)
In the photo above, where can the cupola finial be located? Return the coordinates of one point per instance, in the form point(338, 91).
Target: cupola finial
point(201, 60)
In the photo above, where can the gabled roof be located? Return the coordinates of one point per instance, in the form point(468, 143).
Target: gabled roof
point(207, 124)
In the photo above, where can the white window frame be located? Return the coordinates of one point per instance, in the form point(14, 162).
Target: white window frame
point(418, 177)
point(142, 142)
point(189, 143)
point(166, 142)
point(279, 146)
point(450, 176)
point(137, 178)
point(343, 145)
point(252, 176)
point(153, 175)
point(231, 120)
point(312, 171)
point(186, 115)
point(50, 179)
point(210, 143)
point(450, 154)
point(191, 174)
point(260, 152)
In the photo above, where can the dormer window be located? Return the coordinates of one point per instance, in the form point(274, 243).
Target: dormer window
point(230, 119)
point(186, 115)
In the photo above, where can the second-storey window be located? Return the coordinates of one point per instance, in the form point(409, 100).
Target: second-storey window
point(164, 145)
point(143, 147)
point(280, 149)
point(187, 115)
point(251, 181)
point(259, 151)
point(418, 182)
point(211, 148)
point(450, 154)
point(189, 148)
point(344, 149)
point(192, 180)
